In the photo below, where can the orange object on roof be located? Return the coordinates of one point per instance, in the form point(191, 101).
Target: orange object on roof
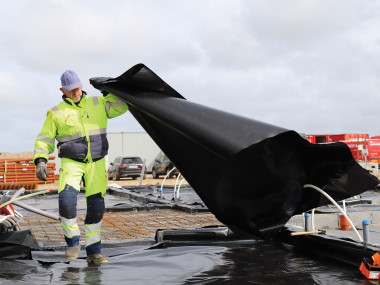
point(371, 268)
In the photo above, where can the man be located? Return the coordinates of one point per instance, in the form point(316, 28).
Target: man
point(79, 124)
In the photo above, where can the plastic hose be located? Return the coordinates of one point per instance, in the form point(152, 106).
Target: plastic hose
point(175, 186)
point(179, 186)
point(163, 181)
point(25, 196)
point(336, 204)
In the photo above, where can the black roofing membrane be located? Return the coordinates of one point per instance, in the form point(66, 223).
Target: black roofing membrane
point(228, 262)
point(216, 151)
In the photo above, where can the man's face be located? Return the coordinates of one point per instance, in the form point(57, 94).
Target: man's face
point(74, 94)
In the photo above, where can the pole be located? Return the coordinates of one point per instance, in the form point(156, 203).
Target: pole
point(35, 210)
point(365, 224)
point(142, 172)
point(307, 222)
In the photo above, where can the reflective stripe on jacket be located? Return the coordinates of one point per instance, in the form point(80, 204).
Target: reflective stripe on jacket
point(80, 129)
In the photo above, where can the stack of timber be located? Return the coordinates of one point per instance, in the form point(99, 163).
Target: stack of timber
point(18, 171)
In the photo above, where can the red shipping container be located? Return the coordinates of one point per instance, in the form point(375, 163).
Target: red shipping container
point(373, 147)
point(356, 149)
point(356, 142)
point(348, 137)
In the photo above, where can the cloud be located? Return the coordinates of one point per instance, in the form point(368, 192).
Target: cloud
point(311, 65)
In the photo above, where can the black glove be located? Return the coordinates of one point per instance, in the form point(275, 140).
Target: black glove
point(42, 171)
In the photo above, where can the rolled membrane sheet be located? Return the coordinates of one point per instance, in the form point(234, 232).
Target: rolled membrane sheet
point(250, 174)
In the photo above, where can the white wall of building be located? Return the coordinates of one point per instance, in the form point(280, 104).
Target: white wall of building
point(132, 144)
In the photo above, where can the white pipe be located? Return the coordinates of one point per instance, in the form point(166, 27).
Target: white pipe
point(312, 220)
point(19, 216)
point(179, 186)
point(37, 211)
point(336, 205)
point(18, 193)
point(3, 219)
point(175, 186)
point(163, 181)
point(12, 220)
point(8, 222)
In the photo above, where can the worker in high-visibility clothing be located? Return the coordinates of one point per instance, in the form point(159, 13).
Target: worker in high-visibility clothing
point(79, 124)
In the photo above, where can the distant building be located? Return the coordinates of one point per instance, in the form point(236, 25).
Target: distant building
point(132, 144)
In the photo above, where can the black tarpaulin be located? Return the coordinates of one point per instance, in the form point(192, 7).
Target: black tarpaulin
point(250, 174)
point(17, 244)
point(183, 262)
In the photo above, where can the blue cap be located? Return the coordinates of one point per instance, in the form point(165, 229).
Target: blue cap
point(70, 80)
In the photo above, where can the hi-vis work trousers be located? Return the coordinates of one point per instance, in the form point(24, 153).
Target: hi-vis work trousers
point(70, 176)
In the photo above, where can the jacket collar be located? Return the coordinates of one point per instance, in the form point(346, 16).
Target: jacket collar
point(71, 102)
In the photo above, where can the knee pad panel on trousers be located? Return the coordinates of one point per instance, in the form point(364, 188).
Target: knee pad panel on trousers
point(68, 202)
point(95, 209)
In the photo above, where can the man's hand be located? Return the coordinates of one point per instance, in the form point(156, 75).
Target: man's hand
point(42, 171)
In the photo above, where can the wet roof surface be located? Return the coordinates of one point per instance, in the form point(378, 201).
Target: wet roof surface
point(221, 263)
point(136, 258)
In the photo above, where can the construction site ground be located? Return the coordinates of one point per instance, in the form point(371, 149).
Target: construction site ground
point(120, 227)
point(124, 226)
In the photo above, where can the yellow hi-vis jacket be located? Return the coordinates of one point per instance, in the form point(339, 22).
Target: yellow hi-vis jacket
point(80, 128)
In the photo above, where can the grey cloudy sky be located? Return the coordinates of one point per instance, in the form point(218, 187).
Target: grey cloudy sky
point(311, 66)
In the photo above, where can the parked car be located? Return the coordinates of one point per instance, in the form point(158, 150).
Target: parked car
point(162, 165)
point(126, 166)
